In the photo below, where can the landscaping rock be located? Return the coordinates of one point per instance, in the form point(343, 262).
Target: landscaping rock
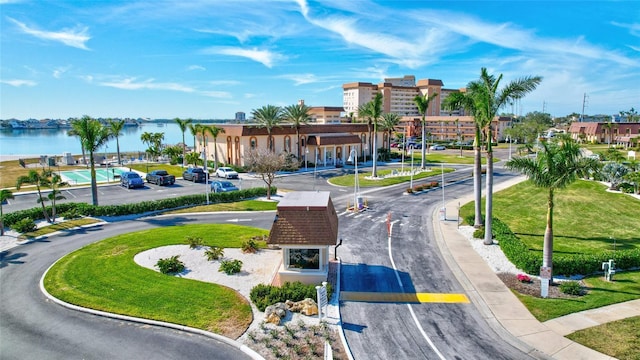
point(307, 306)
point(274, 313)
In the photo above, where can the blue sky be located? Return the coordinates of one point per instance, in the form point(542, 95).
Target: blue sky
point(209, 59)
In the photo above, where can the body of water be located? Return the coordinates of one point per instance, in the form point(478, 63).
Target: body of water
point(36, 142)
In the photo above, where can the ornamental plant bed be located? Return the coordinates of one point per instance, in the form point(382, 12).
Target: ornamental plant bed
point(532, 288)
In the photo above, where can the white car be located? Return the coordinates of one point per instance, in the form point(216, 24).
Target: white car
point(226, 172)
point(438, 147)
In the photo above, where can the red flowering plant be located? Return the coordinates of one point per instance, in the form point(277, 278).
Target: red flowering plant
point(524, 278)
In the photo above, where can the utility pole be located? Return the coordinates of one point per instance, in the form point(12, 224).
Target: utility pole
point(584, 102)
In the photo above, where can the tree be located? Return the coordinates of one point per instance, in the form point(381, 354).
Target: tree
point(297, 115)
point(614, 173)
point(5, 195)
point(268, 117)
point(634, 179)
point(194, 129)
point(372, 111)
point(174, 152)
point(266, 163)
point(422, 102)
point(183, 124)
point(116, 126)
point(193, 158)
point(154, 144)
point(39, 180)
point(55, 182)
point(389, 123)
point(214, 131)
point(559, 164)
point(92, 136)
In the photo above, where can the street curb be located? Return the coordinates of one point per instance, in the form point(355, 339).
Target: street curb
point(245, 349)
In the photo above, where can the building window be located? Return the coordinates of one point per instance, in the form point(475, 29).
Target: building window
point(303, 259)
point(253, 143)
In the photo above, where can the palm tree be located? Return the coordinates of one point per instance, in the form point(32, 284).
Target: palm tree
point(215, 131)
point(488, 101)
point(559, 164)
point(389, 123)
point(193, 129)
point(39, 180)
point(92, 136)
point(182, 124)
point(54, 182)
point(5, 195)
point(372, 111)
point(116, 127)
point(72, 132)
point(298, 115)
point(269, 117)
point(422, 102)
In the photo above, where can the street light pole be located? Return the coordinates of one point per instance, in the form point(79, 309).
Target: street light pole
point(306, 151)
point(353, 156)
point(509, 139)
point(411, 151)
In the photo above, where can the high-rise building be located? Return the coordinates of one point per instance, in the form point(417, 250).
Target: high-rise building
point(240, 116)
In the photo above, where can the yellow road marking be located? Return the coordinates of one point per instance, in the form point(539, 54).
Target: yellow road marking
point(403, 297)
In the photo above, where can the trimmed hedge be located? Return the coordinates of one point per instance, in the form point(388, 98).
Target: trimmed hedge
point(85, 209)
point(264, 295)
point(565, 264)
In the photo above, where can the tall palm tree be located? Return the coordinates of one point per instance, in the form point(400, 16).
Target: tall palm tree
point(297, 115)
point(559, 164)
point(55, 182)
point(116, 126)
point(269, 117)
point(92, 136)
point(422, 102)
point(372, 111)
point(72, 132)
point(215, 131)
point(488, 101)
point(5, 195)
point(388, 124)
point(183, 124)
point(193, 129)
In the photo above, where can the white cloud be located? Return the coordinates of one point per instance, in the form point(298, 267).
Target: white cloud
point(19, 82)
point(150, 84)
point(265, 57)
point(217, 94)
point(196, 67)
point(301, 79)
point(70, 37)
point(59, 71)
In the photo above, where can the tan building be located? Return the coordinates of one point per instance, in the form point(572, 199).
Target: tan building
point(322, 144)
point(623, 134)
point(450, 128)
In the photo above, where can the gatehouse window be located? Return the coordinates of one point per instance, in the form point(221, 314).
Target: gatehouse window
point(303, 259)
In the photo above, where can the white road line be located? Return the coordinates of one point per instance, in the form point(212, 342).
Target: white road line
point(413, 314)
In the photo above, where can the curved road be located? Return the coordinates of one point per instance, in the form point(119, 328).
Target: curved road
point(32, 327)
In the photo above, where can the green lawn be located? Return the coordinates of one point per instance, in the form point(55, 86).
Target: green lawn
point(347, 180)
point(175, 170)
point(103, 276)
point(435, 157)
point(587, 219)
point(246, 205)
point(612, 338)
point(66, 225)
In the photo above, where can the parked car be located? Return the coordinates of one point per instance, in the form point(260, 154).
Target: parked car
point(438, 147)
point(160, 177)
point(223, 186)
point(131, 179)
point(194, 174)
point(226, 172)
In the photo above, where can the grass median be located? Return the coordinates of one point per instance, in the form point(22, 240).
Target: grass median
point(347, 180)
point(103, 276)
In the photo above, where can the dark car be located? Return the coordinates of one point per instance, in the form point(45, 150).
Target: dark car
point(160, 177)
point(194, 174)
point(223, 186)
point(131, 179)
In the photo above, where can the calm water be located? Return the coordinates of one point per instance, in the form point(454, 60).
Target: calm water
point(56, 141)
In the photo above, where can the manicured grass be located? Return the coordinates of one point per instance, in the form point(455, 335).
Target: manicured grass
point(175, 170)
point(347, 180)
point(625, 287)
point(586, 220)
point(103, 276)
point(441, 157)
point(66, 225)
point(612, 338)
point(246, 205)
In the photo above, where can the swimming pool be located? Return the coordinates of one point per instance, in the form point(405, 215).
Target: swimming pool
point(103, 175)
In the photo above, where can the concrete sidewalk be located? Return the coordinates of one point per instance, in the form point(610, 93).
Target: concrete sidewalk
point(502, 309)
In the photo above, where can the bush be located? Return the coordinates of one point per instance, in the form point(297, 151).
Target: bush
point(214, 253)
point(71, 214)
point(250, 246)
point(571, 288)
point(170, 265)
point(194, 241)
point(24, 226)
point(479, 233)
point(264, 295)
point(230, 267)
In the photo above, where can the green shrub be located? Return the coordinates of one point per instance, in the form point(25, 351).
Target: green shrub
point(24, 226)
point(479, 233)
point(571, 288)
point(214, 253)
point(71, 214)
point(194, 241)
point(264, 295)
point(250, 246)
point(230, 267)
point(170, 265)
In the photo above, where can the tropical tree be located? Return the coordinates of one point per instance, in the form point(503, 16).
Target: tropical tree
point(194, 129)
point(183, 124)
point(193, 158)
point(55, 182)
point(388, 124)
point(39, 180)
point(422, 103)
point(297, 115)
point(268, 117)
point(5, 195)
point(116, 126)
point(265, 163)
point(154, 144)
point(614, 172)
point(214, 131)
point(174, 152)
point(559, 164)
point(372, 111)
point(92, 136)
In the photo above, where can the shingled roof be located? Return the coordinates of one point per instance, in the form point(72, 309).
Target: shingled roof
point(305, 218)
